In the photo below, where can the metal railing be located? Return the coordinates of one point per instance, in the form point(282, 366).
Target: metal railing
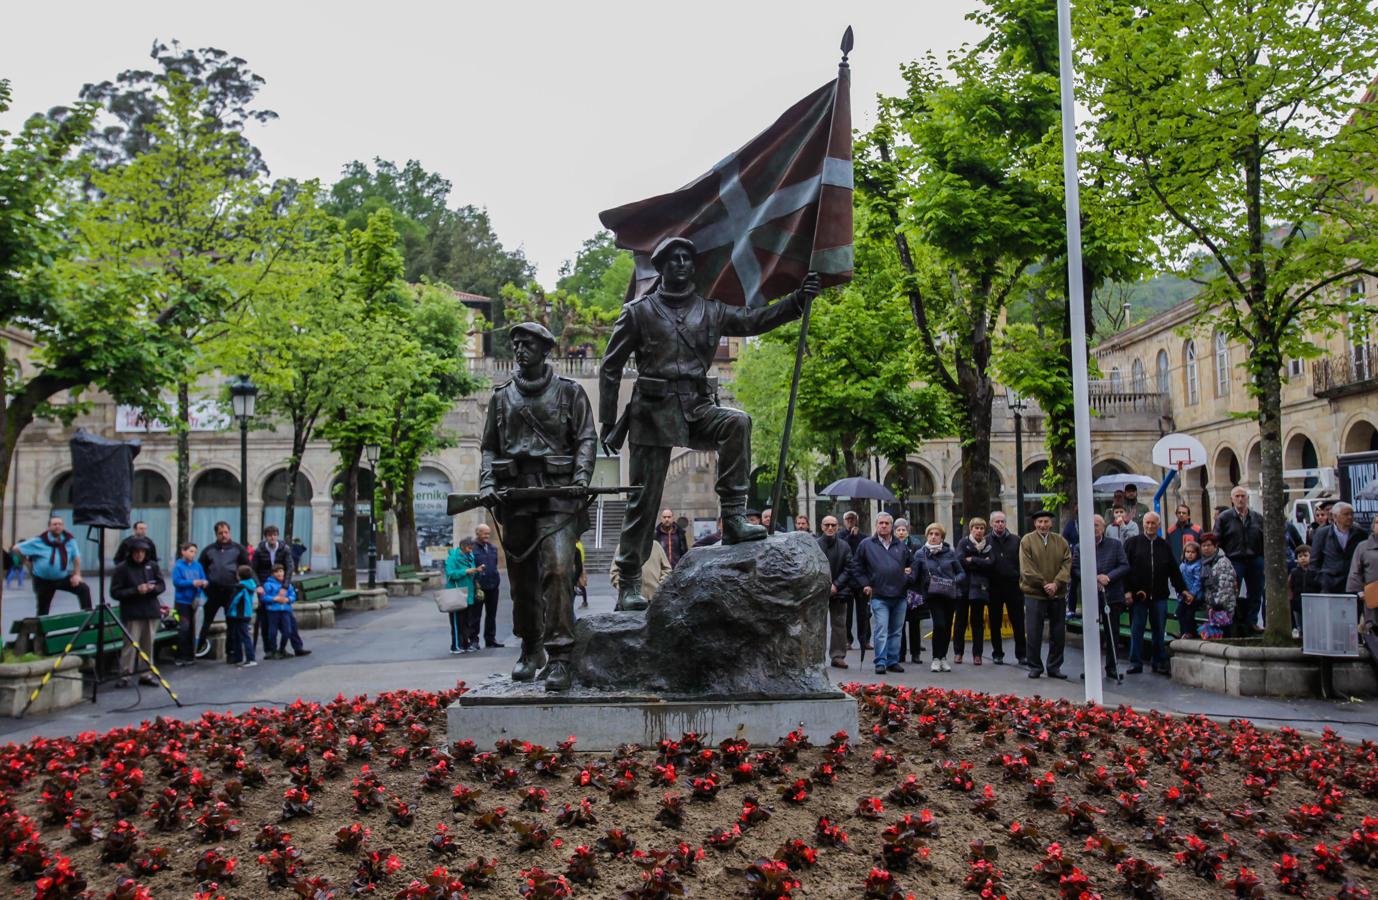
point(1354, 369)
point(568, 366)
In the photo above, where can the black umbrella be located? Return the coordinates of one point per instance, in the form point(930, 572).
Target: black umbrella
point(858, 489)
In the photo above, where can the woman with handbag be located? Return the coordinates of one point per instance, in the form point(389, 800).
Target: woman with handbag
point(457, 598)
point(942, 583)
point(977, 558)
point(917, 610)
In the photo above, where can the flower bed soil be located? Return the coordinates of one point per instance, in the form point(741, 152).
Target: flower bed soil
point(946, 794)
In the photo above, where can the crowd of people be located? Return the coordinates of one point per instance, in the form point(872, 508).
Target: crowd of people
point(252, 586)
point(895, 578)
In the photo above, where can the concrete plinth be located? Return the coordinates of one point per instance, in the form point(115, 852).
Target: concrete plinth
point(320, 614)
point(218, 639)
point(369, 598)
point(405, 587)
point(18, 681)
point(1256, 671)
point(602, 721)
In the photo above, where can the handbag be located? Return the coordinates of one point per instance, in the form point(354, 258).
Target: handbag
point(942, 586)
point(451, 599)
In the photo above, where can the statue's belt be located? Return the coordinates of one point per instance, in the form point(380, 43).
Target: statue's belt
point(654, 388)
point(504, 469)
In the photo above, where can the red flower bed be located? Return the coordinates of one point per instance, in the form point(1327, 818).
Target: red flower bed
point(946, 793)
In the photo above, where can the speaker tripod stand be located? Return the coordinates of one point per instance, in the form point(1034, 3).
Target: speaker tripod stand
point(102, 616)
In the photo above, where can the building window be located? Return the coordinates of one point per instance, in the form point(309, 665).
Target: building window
point(1295, 367)
point(1189, 367)
point(1360, 351)
point(1222, 366)
point(1164, 378)
point(1138, 381)
point(1116, 382)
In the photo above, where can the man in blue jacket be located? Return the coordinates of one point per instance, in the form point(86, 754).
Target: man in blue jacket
point(56, 565)
point(489, 581)
point(884, 569)
point(1111, 568)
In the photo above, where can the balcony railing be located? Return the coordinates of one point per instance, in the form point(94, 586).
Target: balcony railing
point(1110, 399)
point(568, 366)
point(1346, 373)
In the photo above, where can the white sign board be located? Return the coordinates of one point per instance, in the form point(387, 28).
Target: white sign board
point(1330, 625)
point(203, 415)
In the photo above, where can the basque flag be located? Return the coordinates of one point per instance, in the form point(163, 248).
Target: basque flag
point(761, 219)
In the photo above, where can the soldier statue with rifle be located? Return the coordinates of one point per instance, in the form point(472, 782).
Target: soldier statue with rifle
point(538, 452)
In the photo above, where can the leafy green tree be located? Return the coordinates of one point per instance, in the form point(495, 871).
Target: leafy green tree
point(100, 333)
point(857, 392)
point(388, 356)
point(132, 102)
point(191, 215)
point(949, 177)
point(599, 274)
point(304, 339)
point(575, 323)
point(1239, 125)
point(440, 324)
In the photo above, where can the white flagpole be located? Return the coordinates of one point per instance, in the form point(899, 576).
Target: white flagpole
point(1090, 602)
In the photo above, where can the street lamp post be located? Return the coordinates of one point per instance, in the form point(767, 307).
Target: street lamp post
point(243, 394)
point(372, 452)
point(1017, 405)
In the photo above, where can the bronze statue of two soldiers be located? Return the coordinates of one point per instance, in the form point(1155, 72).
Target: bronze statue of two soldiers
point(539, 439)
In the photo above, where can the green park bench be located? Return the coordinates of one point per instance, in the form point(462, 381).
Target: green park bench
point(321, 588)
point(48, 636)
point(1074, 622)
point(407, 581)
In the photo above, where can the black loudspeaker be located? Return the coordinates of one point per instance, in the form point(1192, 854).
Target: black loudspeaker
point(102, 480)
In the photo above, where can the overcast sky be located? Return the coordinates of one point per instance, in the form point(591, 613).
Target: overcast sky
point(545, 113)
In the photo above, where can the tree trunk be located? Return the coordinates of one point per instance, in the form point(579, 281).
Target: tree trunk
point(408, 553)
point(293, 470)
point(976, 397)
point(1278, 622)
point(184, 463)
point(349, 520)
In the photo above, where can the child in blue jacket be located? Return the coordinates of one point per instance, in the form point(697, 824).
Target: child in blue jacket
point(240, 617)
point(278, 597)
point(188, 582)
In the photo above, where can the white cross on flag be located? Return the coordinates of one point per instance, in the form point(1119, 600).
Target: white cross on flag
point(761, 219)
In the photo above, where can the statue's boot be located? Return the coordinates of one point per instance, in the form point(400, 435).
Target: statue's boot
point(532, 661)
point(737, 530)
point(629, 597)
point(558, 676)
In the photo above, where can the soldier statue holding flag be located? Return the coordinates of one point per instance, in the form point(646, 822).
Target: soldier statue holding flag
point(674, 332)
point(772, 219)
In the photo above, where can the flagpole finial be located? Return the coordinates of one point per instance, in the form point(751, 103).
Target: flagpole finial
point(847, 42)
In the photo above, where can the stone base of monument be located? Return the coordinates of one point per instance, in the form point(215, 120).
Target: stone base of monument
point(604, 720)
point(733, 645)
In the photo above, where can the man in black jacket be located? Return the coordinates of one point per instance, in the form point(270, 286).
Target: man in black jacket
point(671, 537)
point(861, 608)
point(1332, 548)
point(839, 555)
point(1151, 570)
point(1005, 596)
point(140, 533)
point(1240, 530)
point(221, 560)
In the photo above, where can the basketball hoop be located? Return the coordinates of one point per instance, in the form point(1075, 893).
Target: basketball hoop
point(1179, 452)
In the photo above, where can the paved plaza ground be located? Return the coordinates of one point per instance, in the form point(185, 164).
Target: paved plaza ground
point(407, 647)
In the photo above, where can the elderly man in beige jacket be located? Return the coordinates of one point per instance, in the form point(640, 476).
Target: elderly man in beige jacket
point(653, 571)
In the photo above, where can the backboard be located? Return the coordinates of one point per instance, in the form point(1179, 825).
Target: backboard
point(1179, 451)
